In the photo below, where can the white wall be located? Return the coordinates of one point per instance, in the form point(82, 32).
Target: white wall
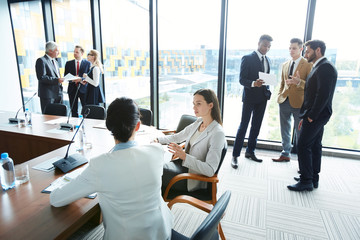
point(10, 95)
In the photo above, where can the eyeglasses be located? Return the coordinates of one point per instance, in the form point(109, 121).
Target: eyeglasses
point(90, 54)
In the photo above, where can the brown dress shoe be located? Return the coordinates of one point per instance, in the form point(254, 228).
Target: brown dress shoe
point(281, 159)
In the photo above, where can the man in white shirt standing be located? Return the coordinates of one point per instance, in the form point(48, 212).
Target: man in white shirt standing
point(77, 67)
point(291, 95)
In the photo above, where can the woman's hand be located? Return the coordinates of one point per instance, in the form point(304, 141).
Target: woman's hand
point(84, 75)
point(177, 151)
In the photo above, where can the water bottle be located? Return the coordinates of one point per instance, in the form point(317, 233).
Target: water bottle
point(27, 117)
point(86, 144)
point(80, 139)
point(7, 172)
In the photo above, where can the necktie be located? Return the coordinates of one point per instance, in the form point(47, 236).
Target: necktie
point(77, 70)
point(291, 69)
point(57, 70)
point(262, 64)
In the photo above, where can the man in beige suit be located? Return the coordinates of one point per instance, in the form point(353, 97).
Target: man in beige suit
point(291, 95)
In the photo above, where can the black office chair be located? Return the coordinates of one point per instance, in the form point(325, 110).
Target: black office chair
point(57, 109)
point(146, 116)
point(185, 120)
point(208, 228)
point(96, 112)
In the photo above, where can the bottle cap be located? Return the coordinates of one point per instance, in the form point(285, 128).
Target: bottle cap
point(76, 126)
point(4, 155)
point(26, 109)
point(80, 116)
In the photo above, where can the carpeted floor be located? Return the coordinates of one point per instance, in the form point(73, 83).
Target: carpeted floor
point(261, 207)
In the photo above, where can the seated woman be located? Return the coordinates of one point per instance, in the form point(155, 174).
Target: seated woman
point(127, 181)
point(94, 94)
point(205, 140)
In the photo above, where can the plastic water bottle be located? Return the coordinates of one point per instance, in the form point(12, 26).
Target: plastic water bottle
point(80, 139)
point(7, 172)
point(27, 117)
point(86, 143)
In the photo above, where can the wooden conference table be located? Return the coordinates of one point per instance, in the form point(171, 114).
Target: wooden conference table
point(25, 211)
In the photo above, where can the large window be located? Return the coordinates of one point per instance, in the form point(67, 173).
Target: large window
point(28, 26)
point(342, 130)
point(188, 54)
point(125, 37)
point(72, 24)
point(247, 21)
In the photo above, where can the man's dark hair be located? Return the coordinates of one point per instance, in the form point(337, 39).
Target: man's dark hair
point(81, 48)
point(298, 41)
point(266, 37)
point(122, 117)
point(314, 44)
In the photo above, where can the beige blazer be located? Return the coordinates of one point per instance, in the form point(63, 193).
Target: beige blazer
point(204, 155)
point(293, 92)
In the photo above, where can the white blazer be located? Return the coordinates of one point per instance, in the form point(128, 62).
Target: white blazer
point(128, 183)
point(204, 155)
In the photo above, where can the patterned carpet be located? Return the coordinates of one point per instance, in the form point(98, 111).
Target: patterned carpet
point(261, 207)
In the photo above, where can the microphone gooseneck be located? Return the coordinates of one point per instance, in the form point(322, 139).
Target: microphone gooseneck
point(87, 111)
point(15, 119)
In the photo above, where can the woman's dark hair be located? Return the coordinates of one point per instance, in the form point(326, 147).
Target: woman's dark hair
point(210, 97)
point(122, 117)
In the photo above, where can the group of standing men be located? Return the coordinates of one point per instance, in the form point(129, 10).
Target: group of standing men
point(306, 93)
point(50, 89)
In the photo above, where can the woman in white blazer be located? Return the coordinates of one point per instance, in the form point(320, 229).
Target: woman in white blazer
point(204, 139)
point(127, 181)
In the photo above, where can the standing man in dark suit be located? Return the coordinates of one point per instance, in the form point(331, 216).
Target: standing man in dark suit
point(47, 72)
point(315, 113)
point(77, 67)
point(255, 97)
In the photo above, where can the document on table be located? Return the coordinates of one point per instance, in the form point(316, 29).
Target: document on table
point(70, 77)
point(61, 181)
point(269, 79)
point(47, 165)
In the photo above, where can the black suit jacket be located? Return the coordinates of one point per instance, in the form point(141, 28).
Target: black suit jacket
point(319, 91)
point(249, 72)
point(49, 86)
point(70, 68)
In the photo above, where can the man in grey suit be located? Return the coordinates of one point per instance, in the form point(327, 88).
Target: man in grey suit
point(48, 74)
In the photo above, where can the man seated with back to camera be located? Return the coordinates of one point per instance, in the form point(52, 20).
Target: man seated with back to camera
point(204, 141)
point(127, 180)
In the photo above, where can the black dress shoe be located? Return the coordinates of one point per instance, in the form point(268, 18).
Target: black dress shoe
point(252, 157)
point(234, 162)
point(299, 187)
point(316, 184)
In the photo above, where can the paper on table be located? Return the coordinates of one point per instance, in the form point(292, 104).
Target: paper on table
point(61, 181)
point(70, 77)
point(269, 79)
point(47, 165)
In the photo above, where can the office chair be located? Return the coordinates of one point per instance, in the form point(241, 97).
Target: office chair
point(185, 120)
point(207, 195)
point(57, 109)
point(146, 116)
point(96, 112)
point(208, 228)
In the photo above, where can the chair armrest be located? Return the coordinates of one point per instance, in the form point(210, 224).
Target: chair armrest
point(192, 201)
point(168, 132)
point(193, 176)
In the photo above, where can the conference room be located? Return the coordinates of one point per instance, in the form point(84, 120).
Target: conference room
point(159, 53)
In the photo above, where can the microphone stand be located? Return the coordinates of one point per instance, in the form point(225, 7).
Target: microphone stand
point(70, 162)
point(15, 119)
point(68, 126)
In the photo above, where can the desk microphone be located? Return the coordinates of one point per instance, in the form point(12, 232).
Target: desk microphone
point(70, 162)
point(67, 125)
point(15, 119)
